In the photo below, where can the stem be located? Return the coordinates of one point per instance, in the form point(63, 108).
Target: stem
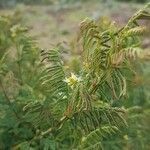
point(19, 64)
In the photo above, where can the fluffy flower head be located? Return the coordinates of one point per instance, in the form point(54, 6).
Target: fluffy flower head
point(72, 80)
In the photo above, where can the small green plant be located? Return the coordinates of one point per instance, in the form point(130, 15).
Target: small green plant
point(44, 107)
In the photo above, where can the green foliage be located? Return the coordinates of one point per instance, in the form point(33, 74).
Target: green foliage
point(42, 108)
point(93, 140)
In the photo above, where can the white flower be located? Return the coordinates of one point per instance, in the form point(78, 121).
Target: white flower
point(72, 80)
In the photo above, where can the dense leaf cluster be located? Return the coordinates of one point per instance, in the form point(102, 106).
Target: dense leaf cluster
point(42, 108)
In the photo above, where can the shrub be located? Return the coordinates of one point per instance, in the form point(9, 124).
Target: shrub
point(43, 107)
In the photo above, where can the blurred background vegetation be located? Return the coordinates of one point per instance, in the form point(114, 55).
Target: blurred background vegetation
point(9, 3)
point(56, 21)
